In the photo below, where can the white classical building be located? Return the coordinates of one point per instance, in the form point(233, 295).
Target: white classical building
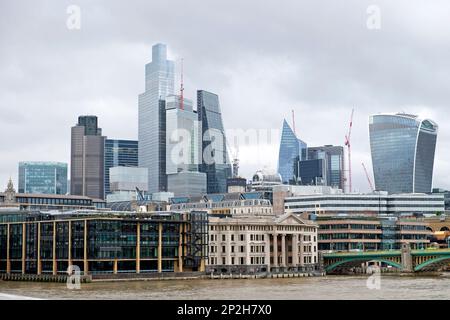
point(250, 244)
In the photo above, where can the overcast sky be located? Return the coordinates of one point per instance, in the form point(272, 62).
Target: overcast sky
point(263, 58)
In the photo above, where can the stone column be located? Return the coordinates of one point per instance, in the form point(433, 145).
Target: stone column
point(247, 247)
point(283, 250)
point(228, 247)
point(295, 250)
point(275, 250)
point(406, 258)
point(267, 250)
point(302, 260)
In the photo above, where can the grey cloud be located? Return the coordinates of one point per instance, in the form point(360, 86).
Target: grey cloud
point(262, 58)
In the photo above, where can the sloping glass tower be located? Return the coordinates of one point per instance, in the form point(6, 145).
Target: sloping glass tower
point(159, 82)
point(403, 148)
point(291, 149)
point(216, 163)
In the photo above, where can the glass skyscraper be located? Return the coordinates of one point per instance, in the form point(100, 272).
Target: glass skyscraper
point(43, 177)
point(291, 149)
point(119, 153)
point(403, 148)
point(183, 148)
point(217, 163)
point(159, 82)
point(333, 157)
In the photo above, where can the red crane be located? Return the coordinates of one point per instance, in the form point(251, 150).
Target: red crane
point(348, 144)
point(368, 178)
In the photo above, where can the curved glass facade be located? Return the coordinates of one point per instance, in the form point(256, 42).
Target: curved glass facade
point(403, 148)
point(214, 140)
point(291, 149)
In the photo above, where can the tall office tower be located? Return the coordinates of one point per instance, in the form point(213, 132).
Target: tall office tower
point(310, 172)
point(43, 177)
point(333, 157)
point(215, 161)
point(87, 159)
point(403, 148)
point(159, 82)
point(291, 148)
point(119, 153)
point(183, 148)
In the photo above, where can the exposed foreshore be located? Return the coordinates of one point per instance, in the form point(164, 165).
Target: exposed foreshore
point(154, 276)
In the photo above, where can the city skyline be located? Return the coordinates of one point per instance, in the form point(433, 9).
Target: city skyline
point(387, 83)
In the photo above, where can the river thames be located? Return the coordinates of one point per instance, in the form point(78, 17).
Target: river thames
point(329, 287)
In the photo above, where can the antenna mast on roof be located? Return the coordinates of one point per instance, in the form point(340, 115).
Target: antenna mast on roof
point(181, 88)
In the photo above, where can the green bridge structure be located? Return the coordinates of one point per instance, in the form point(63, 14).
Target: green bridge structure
point(406, 260)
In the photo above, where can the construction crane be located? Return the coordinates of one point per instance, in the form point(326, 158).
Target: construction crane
point(368, 178)
point(348, 144)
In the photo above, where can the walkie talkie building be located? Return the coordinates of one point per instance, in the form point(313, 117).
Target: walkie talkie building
point(403, 148)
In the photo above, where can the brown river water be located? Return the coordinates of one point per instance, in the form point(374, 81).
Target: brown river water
point(329, 287)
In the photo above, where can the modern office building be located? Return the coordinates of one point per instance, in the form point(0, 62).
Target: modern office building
point(183, 148)
point(255, 244)
point(291, 149)
point(374, 203)
point(215, 161)
point(126, 183)
point(311, 172)
point(87, 159)
point(183, 136)
point(403, 148)
point(159, 82)
point(102, 243)
point(187, 183)
point(365, 233)
point(333, 157)
point(43, 177)
point(323, 166)
point(119, 153)
point(38, 201)
point(446, 194)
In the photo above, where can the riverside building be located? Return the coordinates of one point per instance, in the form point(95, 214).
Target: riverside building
point(332, 201)
point(102, 242)
point(247, 203)
point(250, 244)
point(365, 233)
point(30, 201)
